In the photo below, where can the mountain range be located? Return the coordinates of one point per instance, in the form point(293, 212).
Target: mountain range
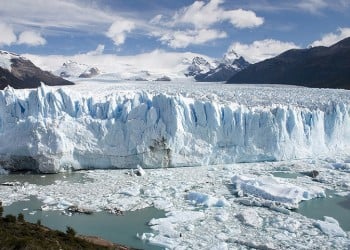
point(219, 70)
point(74, 69)
point(322, 67)
point(19, 72)
point(319, 67)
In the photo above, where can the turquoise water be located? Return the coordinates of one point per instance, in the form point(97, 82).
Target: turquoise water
point(118, 229)
point(46, 179)
point(285, 174)
point(334, 206)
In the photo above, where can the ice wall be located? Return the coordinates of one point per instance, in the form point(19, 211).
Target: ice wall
point(52, 130)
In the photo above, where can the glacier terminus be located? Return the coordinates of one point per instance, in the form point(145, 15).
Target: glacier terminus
point(155, 125)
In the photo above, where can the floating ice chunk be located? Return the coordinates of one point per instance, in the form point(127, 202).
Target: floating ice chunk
point(206, 200)
point(343, 194)
point(250, 217)
point(221, 216)
point(220, 246)
point(144, 236)
point(63, 204)
point(290, 224)
point(340, 166)
point(3, 171)
point(131, 191)
point(273, 189)
point(49, 201)
point(163, 241)
point(179, 216)
point(167, 235)
point(140, 171)
point(162, 204)
point(330, 226)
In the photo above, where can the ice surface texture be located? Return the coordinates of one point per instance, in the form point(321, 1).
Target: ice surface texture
point(52, 129)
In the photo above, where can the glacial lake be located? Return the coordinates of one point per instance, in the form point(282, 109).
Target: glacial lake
point(333, 205)
point(119, 229)
point(123, 229)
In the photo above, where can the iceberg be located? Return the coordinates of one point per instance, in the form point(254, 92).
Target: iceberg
point(275, 190)
point(53, 129)
point(330, 226)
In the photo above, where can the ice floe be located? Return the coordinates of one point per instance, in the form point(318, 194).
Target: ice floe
point(330, 226)
point(270, 188)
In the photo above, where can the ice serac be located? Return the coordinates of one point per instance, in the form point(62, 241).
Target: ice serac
point(50, 130)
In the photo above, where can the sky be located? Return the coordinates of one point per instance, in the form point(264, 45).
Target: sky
point(255, 29)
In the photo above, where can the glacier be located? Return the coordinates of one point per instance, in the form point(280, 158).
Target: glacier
point(53, 129)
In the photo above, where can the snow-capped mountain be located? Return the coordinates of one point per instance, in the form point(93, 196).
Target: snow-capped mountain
point(199, 65)
point(74, 69)
point(91, 72)
point(217, 71)
point(19, 72)
point(229, 57)
point(147, 66)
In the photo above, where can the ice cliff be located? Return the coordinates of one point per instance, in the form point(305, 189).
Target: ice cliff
point(50, 130)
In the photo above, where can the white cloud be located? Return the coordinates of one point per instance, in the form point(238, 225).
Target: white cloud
point(313, 6)
point(31, 38)
point(156, 20)
point(63, 16)
point(59, 14)
point(118, 30)
point(7, 36)
point(332, 38)
point(182, 39)
point(261, 50)
point(202, 15)
point(243, 18)
point(98, 51)
point(195, 24)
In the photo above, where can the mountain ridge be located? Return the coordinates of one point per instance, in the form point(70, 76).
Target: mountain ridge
point(219, 70)
point(320, 67)
point(18, 72)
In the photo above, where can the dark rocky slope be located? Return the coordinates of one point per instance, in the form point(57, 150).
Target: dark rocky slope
point(24, 74)
point(321, 67)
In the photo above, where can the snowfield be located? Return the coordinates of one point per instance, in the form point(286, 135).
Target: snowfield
point(96, 124)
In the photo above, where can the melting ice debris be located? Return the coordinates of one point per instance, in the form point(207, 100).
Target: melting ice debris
point(330, 226)
point(199, 229)
point(133, 190)
point(168, 236)
point(3, 171)
point(250, 217)
point(140, 171)
point(341, 166)
point(206, 200)
point(270, 188)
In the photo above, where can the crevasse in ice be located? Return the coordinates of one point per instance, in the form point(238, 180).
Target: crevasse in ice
point(50, 130)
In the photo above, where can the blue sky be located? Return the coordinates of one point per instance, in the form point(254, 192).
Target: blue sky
point(256, 29)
